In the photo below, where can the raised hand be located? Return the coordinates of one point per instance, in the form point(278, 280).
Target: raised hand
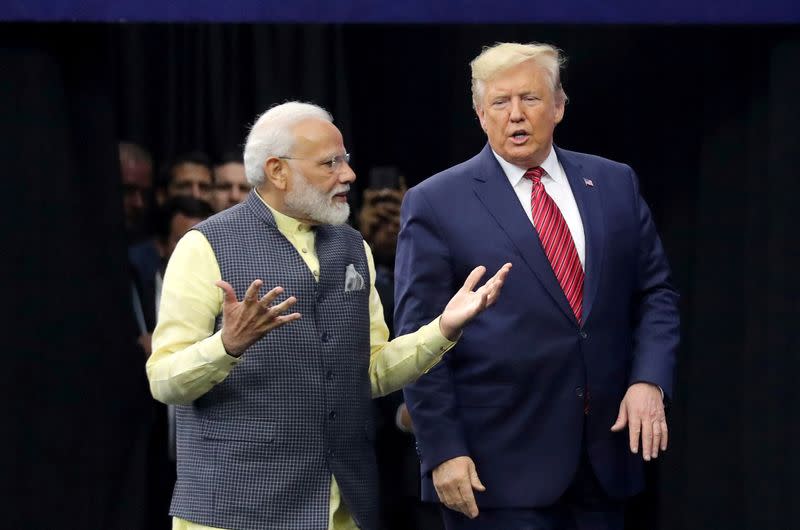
point(468, 303)
point(243, 323)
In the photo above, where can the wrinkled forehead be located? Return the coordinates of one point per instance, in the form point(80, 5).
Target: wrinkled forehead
point(314, 137)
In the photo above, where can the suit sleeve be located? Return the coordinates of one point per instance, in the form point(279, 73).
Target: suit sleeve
point(656, 320)
point(423, 286)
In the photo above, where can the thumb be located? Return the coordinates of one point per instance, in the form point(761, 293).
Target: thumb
point(473, 478)
point(229, 297)
point(622, 418)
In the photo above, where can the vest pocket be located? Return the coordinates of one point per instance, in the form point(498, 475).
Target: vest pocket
point(244, 430)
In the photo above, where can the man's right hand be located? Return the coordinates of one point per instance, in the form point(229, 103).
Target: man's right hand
point(454, 481)
point(243, 323)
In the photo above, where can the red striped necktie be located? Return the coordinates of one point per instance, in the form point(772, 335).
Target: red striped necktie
point(557, 242)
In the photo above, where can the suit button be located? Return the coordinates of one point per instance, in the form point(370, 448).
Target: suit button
point(332, 415)
point(584, 335)
point(579, 392)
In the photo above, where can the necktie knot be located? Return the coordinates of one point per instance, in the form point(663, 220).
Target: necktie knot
point(535, 174)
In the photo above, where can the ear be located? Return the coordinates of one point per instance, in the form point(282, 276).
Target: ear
point(481, 117)
point(276, 172)
point(560, 108)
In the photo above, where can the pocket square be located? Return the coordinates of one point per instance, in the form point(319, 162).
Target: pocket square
point(353, 281)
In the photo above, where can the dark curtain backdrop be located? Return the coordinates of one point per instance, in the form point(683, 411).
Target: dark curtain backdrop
point(706, 115)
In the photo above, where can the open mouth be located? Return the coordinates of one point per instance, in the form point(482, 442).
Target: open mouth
point(341, 196)
point(519, 137)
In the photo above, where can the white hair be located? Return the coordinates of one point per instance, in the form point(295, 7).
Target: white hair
point(271, 135)
point(496, 59)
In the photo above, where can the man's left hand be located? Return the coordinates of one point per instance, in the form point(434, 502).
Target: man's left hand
point(466, 304)
point(642, 410)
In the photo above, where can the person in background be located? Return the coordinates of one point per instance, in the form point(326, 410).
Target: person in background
point(149, 258)
point(188, 174)
point(230, 182)
point(544, 413)
point(274, 390)
point(136, 170)
point(398, 465)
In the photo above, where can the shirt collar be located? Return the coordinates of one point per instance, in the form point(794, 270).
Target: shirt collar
point(285, 223)
point(514, 173)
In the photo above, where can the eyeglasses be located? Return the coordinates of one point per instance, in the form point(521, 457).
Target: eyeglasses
point(332, 164)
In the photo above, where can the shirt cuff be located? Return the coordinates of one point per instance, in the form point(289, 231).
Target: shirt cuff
point(216, 356)
point(438, 344)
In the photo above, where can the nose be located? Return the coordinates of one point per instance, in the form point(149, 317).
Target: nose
point(516, 110)
point(346, 174)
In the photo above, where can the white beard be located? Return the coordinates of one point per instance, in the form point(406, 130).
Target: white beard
point(310, 203)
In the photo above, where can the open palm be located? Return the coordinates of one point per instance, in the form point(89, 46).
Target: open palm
point(469, 302)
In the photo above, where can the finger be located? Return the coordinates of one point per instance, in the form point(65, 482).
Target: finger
point(279, 309)
point(229, 296)
point(473, 278)
point(664, 435)
point(474, 480)
point(282, 320)
point(647, 439)
point(449, 498)
point(634, 428)
point(468, 505)
point(656, 439)
point(622, 418)
point(251, 295)
point(268, 298)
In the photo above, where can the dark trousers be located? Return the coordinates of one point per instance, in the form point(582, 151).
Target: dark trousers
point(584, 506)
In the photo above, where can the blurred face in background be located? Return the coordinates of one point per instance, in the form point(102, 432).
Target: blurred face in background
point(190, 179)
point(230, 186)
point(137, 186)
point(178, 226)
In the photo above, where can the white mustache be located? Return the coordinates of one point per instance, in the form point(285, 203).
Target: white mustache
point(344, 189)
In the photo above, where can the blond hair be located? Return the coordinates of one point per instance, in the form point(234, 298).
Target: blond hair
point(496, 59)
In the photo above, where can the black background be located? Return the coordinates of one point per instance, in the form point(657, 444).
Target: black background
point(706, 115)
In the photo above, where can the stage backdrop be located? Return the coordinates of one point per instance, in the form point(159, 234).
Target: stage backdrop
point(706, 115)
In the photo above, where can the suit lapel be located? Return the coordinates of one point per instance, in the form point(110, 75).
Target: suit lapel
point(492, 188)
point(587, 197)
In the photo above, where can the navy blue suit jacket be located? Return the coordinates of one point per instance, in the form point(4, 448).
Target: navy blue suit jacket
point(510, 394)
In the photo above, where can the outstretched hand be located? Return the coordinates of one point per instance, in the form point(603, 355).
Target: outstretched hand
point(243, 323)
point(467, 303)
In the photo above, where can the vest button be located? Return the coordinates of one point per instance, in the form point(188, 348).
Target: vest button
point(332, 415)
point(329, 452)
point(324, 337)
point(579, 392)
point(329, 374)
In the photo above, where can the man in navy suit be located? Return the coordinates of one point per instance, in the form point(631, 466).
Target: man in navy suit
point(541, 416)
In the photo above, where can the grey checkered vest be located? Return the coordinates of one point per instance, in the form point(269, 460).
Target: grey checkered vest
point(257, 451)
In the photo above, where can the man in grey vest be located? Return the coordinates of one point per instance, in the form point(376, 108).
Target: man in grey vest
point(274, 423)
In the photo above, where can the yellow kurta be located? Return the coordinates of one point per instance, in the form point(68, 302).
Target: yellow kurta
point(188, 357)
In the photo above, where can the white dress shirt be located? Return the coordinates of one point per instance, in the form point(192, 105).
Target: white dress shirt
point(557, 187)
